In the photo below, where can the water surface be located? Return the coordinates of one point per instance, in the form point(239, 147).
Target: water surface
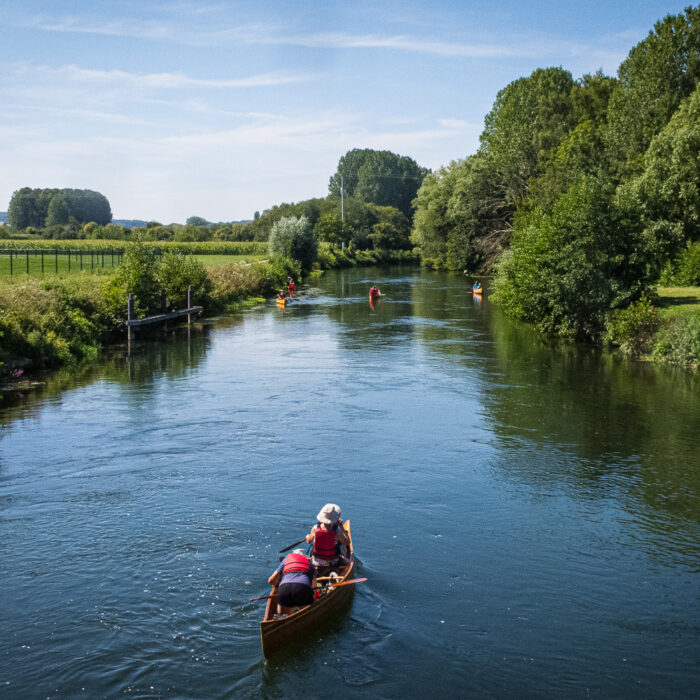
point(526, 512)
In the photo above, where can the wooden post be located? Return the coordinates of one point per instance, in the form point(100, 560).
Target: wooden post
point(56, 260)
point(27, 262)
point(130, 316)
point(164, 308)
point(189, 304)
point(10, 261)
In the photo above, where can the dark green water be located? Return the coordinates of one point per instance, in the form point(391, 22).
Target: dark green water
point(527, 512)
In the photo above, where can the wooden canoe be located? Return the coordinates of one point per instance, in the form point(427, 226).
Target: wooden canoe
point(478, 291)
point(274, 634)
point(281, 302)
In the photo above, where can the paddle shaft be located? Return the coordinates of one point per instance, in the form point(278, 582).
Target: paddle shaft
point(332, 585)
point(292, 545)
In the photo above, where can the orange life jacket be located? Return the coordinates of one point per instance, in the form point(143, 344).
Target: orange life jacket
point(295, 564)
point(324, 543)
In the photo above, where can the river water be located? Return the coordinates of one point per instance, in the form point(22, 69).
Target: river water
point(527, 512)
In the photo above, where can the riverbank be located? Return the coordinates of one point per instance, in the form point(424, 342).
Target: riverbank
point(57, 320)
point(664, 328)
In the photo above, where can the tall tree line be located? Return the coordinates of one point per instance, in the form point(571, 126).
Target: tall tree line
point(581, 190)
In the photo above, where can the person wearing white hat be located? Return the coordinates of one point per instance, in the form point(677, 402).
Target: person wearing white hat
point(327, 536)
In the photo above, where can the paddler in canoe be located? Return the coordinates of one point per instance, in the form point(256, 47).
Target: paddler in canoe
point(290, 285)
point(477, 288)
point(296, 577)
point(330, 541)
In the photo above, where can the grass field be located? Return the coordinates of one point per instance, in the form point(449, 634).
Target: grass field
point(679, 301)
point(229, 259)
point(49, 263)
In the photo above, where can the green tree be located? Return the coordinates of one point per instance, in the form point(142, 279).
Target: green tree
point(378, 177)
point(566, 268)
point(137, 274)
point(197, 221)
point(668, 189)
point(330, 228)
point(658, 73)
point(293, 237)
point(176, 273)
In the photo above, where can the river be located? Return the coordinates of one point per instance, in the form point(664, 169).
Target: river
point(526, 511)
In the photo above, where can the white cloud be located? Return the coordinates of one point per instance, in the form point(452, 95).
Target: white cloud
point(117, 77)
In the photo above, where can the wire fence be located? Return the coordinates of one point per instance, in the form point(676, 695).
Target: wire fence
point(47, 261)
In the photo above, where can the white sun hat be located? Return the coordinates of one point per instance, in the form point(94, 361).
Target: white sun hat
point(329, 514)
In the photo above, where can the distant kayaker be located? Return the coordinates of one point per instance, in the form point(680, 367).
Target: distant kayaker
point(296, 577)
point(281, 295)
point(477, 287)
point(290, 284)
point(328, 536)
point(374, 291)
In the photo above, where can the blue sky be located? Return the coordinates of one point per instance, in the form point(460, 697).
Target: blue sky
point(218, 109)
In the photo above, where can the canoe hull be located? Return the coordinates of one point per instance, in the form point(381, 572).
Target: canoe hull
point(281, 302)
point(276, 634)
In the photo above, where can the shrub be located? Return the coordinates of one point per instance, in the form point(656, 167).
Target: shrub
point(684, 271)
point(633, 328)
point(678, 342)
point(294, 238)
point(177, 272)
point(138, 274)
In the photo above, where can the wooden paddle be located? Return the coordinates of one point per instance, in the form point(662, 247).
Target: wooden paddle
point(333, 585)
point(292, 545)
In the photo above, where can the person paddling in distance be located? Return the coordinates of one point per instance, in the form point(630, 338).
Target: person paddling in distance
point(328, 536)
point(281, 295)
point(374, 291)
point(296, 579)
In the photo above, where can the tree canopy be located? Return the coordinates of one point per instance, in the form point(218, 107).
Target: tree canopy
point(50, 207)
point(378, 177)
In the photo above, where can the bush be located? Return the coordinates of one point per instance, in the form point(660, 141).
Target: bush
point(176, 273)
point(294, 238)
point(633, 328)
point(52, 321)
point(684, 271)
point(678, 342)
point(137, 274)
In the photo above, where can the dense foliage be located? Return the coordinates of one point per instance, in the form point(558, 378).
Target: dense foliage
point(53, 207)
point(378, 177)
point(294, 238)
point(583, 192)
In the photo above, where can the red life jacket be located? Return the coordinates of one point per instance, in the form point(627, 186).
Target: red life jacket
point(324, 543)
point(295, 564)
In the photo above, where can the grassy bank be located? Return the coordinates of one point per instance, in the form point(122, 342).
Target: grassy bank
point(56, 320)
point(665, 328)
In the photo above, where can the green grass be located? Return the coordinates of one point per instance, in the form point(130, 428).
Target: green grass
point(229, 259)
point(678, 301)
point(59, 264)
point(48, 263)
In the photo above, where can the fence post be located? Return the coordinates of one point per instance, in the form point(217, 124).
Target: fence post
point(164, 307)
point(27, 261)
point(81, 259)
point(42, 261)
point(11, 262)
point(130, 316)
point(69, 260)
point(56, 254)
point(189, 304)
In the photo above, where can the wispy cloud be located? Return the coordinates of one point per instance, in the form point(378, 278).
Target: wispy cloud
point(171, 28)
point(77, 74)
